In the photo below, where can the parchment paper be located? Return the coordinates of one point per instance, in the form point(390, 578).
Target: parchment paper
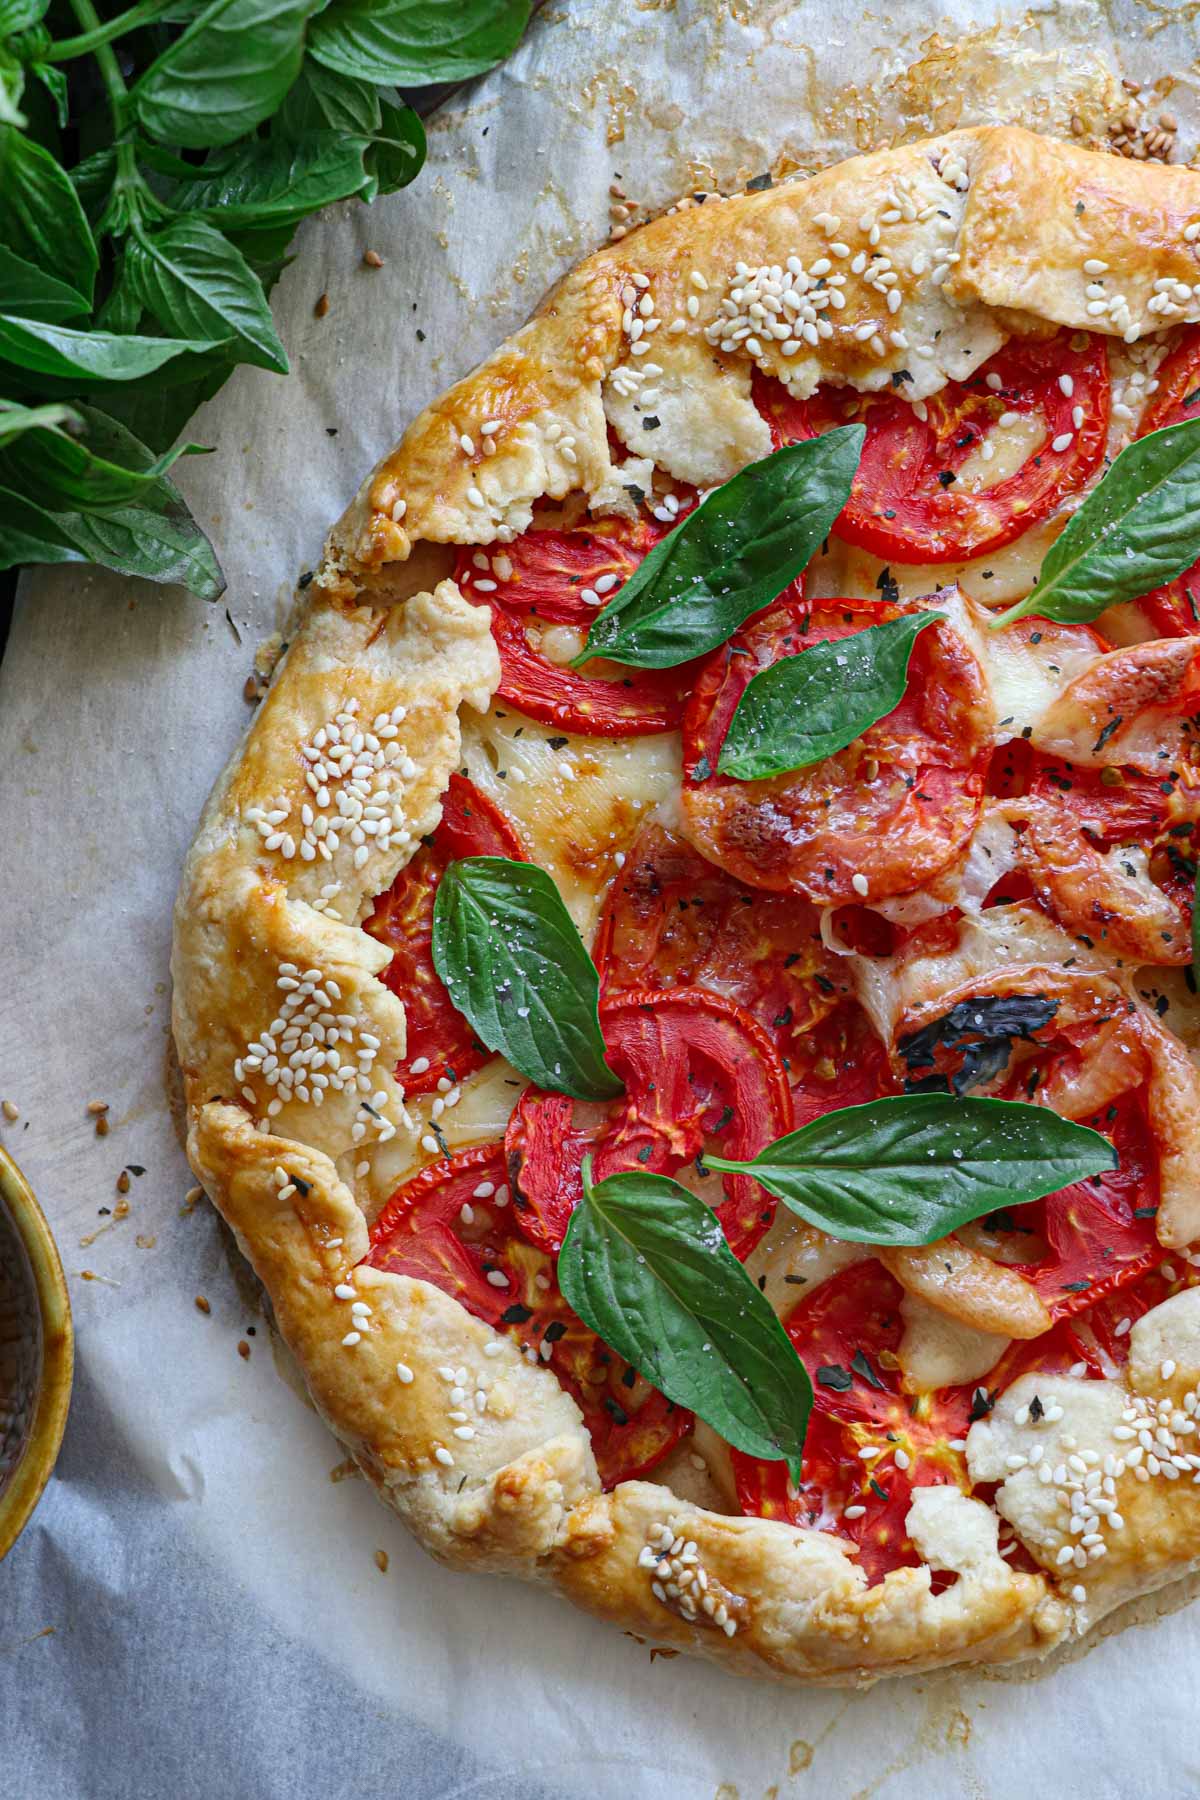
point(197, 1609)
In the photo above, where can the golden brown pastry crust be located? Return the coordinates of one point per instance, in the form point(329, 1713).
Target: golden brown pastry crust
point(984, 233)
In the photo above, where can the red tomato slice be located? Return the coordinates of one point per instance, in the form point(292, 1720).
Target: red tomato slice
point(553, 581)
point(672, 920)
point(1174, 609)
point(440, 1041)
point(1099, 1235)
point(852, 1327)
point(1096, 1236)
point(894, 808)
point(905, 502)
point(1090, 813)
point(698, 1071)
point(841, 1063)
point(437, 1228)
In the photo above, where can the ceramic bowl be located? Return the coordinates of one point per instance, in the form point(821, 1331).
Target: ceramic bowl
point(36, 1352)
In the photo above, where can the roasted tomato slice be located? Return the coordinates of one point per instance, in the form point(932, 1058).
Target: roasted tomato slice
point(848, 1334)
point(441, 1044)
point(698, 1071)
point(907, 504)
point(891, 810)
point(441, 1228)
point(1107, 852)
point(550, 579)
point(1174, 609)
point(672, 920)
point(1095, 1237)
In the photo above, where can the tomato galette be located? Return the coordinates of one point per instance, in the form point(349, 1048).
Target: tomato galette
point(685, 991)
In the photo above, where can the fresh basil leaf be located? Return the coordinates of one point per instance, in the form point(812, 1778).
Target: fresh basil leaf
point(514, 964)
point(322, 100)
point(914, 1167)
point(411, 43)
point(93, 179)
point(195, 282)
point(805, 707)
point(41, 219)
point(645, 1263)
point(274, 181)
point(57, 350)
point(55, 84)
point(101, 467)
point(1138, 528)
point(737, 550)
point(29, 291)
point(21, 15)
point(397, 153)
point(226, 74)
point(157, 409)
point(159, 544)
point(12, 86)
point(15, 420)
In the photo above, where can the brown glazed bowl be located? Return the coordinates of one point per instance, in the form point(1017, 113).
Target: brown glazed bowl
point(36, 1352)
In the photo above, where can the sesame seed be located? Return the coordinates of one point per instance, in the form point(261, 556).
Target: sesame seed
point(1063, 441)
point(860, 884)
point(443, 1456)
point(405, 1373)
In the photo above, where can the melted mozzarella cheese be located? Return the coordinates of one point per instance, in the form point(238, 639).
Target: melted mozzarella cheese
point(938, 1351)
point(577, 802)
point(994, 580)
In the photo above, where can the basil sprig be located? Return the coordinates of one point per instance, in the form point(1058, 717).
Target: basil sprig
point(912, 1168)
point(403, 42)
point(805, 707)
point(514, 964)
point(134, 281)
point(645, 1264)
point(737, 550)
point(1138, 528)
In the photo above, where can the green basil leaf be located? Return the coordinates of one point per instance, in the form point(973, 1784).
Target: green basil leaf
point(29, 291)
point(195, 282)
point(276, 182)
point(645, 1263)
point(157, 409)
point(1138, 528)
point(737, 550)
point(55, 84)
point(397, 153)
point(102, 467)
point(15, 420)
point(805, 707)
point(514, 964)
point(322, 100)
point(41, 219)
point(912, 1168)
point(226, 74)
point(12, 86)
point(96, 355)
point(92, 181)
point(411, 43)
point(159, 543)
point(21, 15)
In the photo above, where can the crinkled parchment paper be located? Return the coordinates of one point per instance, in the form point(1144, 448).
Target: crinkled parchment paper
point(198, 1609)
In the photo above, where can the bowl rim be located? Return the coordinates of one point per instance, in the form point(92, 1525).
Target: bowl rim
point(41, 1449)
